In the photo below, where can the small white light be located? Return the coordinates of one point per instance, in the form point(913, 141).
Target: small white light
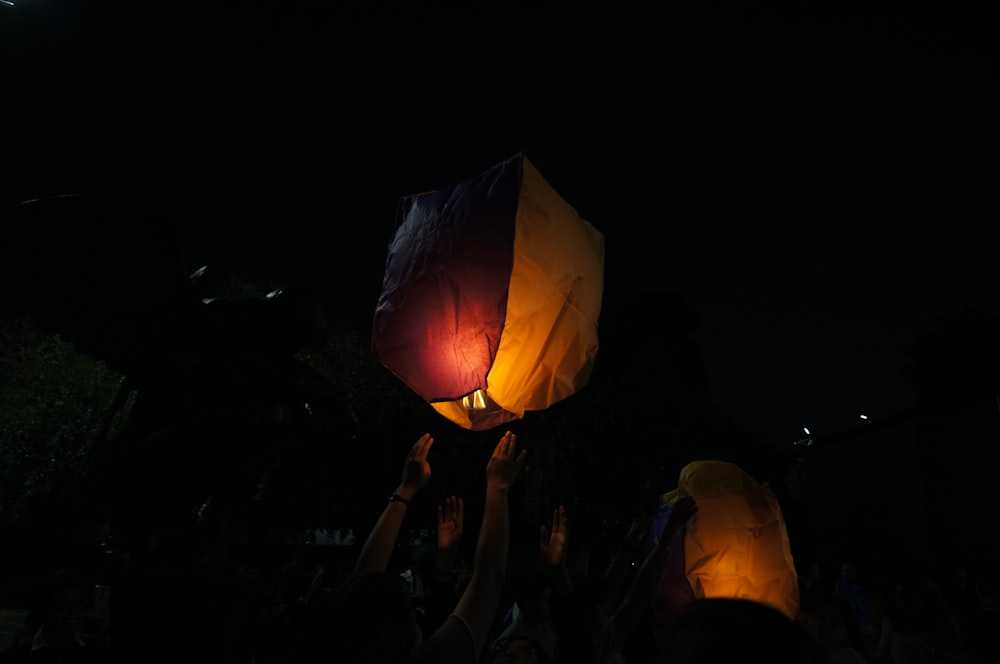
point(806, 429)
point(864, 417)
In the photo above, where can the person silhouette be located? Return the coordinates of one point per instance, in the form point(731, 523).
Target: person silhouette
point(720, 629)
point(371, 618)
point(58, 626)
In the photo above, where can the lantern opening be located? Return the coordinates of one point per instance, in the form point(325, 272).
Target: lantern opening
point(476, 410)
point(474, 401)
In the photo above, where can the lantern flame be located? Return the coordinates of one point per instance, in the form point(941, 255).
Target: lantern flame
point(474, 401)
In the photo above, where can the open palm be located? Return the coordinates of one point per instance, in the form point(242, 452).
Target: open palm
point(451, 517)
point(553, 544)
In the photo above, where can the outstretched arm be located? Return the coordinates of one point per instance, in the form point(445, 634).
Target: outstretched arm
point(441, 594)
point(621, 564)
point(377, 550)
point(554, 547)
point(478, 605)
point(450, 528)
point(650, 573)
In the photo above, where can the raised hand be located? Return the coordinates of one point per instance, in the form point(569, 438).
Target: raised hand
point(505, 464)
point(450, 526)
point(378, 548)
point(680, 514)
point(637, 532)
point(553, 544)
point(416, 470)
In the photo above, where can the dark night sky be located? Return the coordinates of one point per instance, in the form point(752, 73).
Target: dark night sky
point(816, 185)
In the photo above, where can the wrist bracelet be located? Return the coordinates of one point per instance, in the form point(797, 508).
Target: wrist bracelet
point(396, 498)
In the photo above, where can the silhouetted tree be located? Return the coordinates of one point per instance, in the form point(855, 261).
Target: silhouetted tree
point(54, 407)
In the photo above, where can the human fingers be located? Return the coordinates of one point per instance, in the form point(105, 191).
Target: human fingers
point(640, 523)
point(639, 529)
point(682, 512)
point(518, 463)
point(509, 441)
point(460, 510)
point(502, 449)
point(415, 448)
point(558, 519)
point(422, 446)
point(510, 444)
point(498, 450)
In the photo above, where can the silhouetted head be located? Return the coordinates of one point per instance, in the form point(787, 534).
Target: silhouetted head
point(368, 619)
point(62, 607)
point(532, 592)
point(533, 635)
point(736, 630)
point(916, 601)
point(580, 624)
point(519, 650)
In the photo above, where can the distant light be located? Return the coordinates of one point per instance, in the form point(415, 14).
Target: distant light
point(864, 417)
point(7, 2)
point(806, 429)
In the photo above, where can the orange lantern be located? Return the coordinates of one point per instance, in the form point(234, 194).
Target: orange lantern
point(735, 546)
point(491, 297)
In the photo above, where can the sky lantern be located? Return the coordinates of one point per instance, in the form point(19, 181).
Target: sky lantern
point(735, 546)
point(491, 297)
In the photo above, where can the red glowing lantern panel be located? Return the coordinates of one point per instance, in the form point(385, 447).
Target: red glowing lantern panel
point(492, 288)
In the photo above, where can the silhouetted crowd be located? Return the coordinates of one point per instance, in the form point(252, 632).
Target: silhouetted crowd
point(433, 605)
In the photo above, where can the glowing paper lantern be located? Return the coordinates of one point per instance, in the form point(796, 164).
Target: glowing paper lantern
point(735, 546)
point(491, 297)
